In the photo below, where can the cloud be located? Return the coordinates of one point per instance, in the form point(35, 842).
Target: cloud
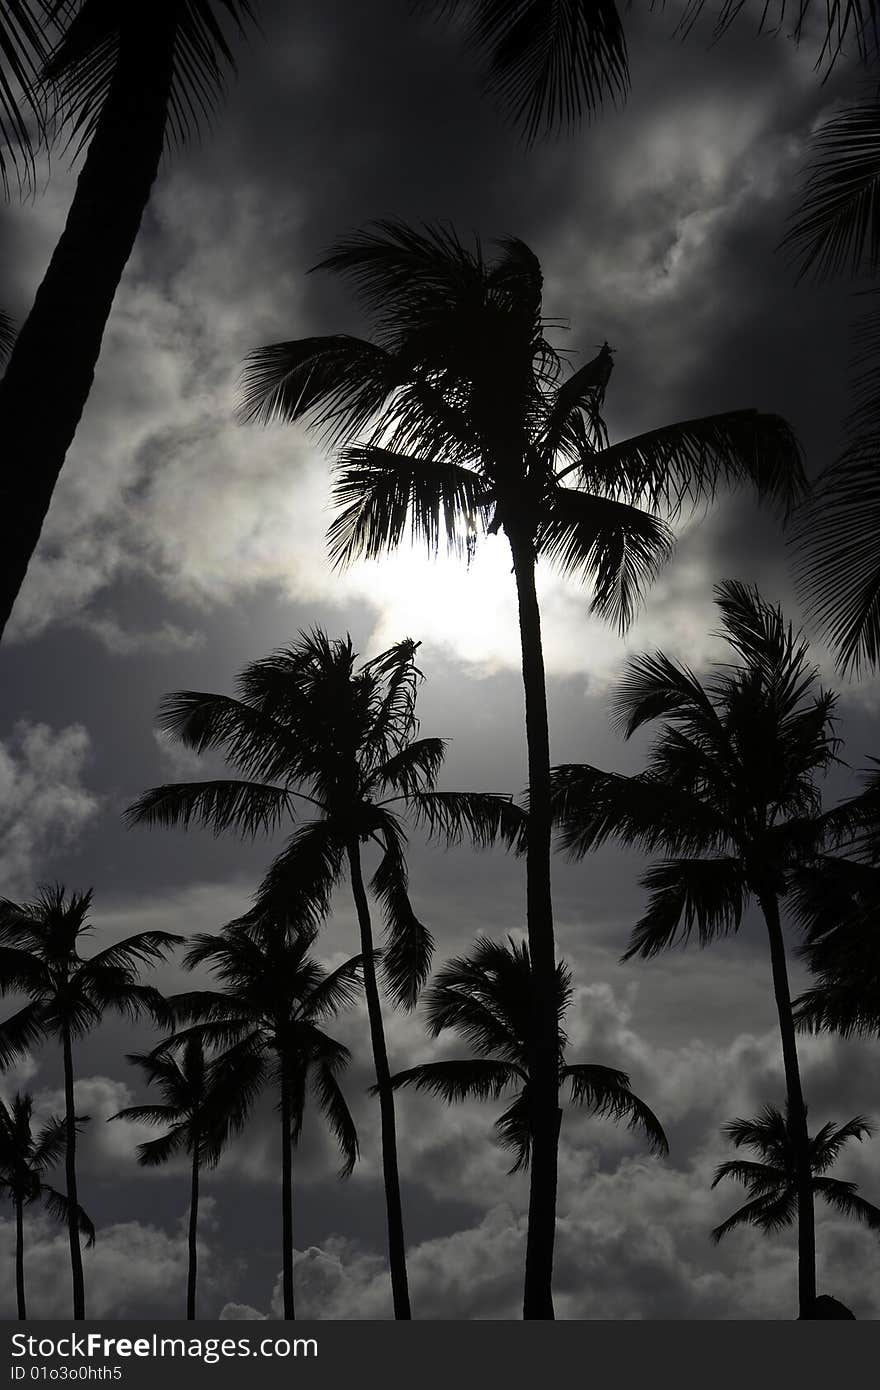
point(44, 805)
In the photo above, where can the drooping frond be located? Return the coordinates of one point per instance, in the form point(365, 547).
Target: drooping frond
point(549, 63)
point(338, 383)
point(249, 808)
point(383, 497)
point(20, 1033)
point(477, 1078)
point(706, 894)
point(337, 1114)
point(590, 807)
point(24, 48)
point(59, 1207)
point(686, 463)
point(606, 1092)
point(85, 60)
point(837, 225)
point(618, 547)
point(842, 1197)
point(574, 417)
point(297, 888)
point(406, 958)
point(839, 24)
point(480, 818)
point(145, 948)
point(514, 1131)
point(769, 1213)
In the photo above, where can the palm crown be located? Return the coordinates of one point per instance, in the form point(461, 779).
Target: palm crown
point(26, 1156)
point(39, 957)
point(772, 1183)
point(730, 792)
point(486, 998)
point(468, 419)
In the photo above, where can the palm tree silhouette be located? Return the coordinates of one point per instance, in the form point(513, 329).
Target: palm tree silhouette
point(200, 1110)
point(24, 1159)
point(773, 1184)
point(486, 998)
point(68, 996)
point(730, 796)
point(268, 1016)
point(469, 423)
point(132, 78)
point(309, 727)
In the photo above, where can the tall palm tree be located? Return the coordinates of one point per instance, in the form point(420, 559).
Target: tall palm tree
point(132, 78)
point(68, 995)
point(731, 797)
point(309, 730)
point(466, 421)
point(268, 1017)
point(772, 1185)
point(486, 998)
point(25, 1158)
point(200, 1109)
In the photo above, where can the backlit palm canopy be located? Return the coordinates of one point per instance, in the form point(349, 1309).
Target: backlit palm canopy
point(772, 1183)
point(315, 735)
point(486, 998)
point(730, 793)
point(468, 420)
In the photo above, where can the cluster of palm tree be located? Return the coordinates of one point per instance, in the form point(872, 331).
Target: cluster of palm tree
point(457, 418)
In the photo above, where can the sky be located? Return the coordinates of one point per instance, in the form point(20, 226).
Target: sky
point(181, 546)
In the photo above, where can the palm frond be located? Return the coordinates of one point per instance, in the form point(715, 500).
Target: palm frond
point(706, 894)
point(20, 1033)
point(591, 807)
point(59, 1208)
point(384, 496)
point(480, 818)
point(413, 767)
point(837, 227)
point(618, 547)
point(337, 1114)
point(767, 1213)
point(338, 383)
point(145, 948)
point(514, 1131)
point(837, 22)
point(297, 888)
point(255, 743)
point(337, 990)
point(841, 1196)
point(24, 49)
point(249, 808)
point(478, 1078)
point(406, 958)
point(549, 63)
point(606, 1092)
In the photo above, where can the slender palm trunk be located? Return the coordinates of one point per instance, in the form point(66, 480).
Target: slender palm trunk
point(396, 1242)
point(797, 1111)
point(19, 1257)
point(286, 1196)
point(543, 1061)
point(193, 1233)
point(76, 1268)
point(57, 348)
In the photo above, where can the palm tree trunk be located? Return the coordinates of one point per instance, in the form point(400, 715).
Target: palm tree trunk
point(52, 366)
point(797, 1111)
point(79, 1293)
point(544, 1059)
point(193, 1233)
point(19, 1257)
point(396, 1241)
point(286, 1196)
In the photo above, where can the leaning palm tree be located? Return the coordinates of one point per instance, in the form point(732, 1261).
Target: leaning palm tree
point(200, 1109)
point(486, 998)
point(25, 1158)
point(132, 78)
point(467, 422)
point(312, 732)
point(269, 1016)
point(68, 996)
point(773, 1185)
point(731, 797)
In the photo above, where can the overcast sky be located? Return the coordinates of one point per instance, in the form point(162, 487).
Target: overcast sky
point(181, 546)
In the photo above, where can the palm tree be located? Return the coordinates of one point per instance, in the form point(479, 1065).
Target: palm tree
point(468, 422)
point(68, 996)
point(199, 1110)
point(24, 1160)
point(773, 1185)
point(730, 796)
point(310, 730)
point(132, 78)
point(268, 1016)
point(486, 998)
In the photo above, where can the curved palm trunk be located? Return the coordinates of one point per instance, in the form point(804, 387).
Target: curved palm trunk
point(797, 1111)
point(193, 1234)
point(79, 1294)
point(286, 1196)
point(19, 1257)
point(52, 366)
point(543, 1062)
point(396, 1242)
